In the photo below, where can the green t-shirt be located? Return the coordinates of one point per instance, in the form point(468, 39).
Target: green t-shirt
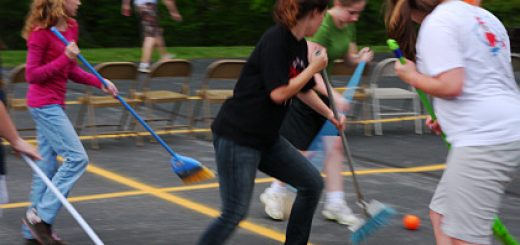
point(334, 39)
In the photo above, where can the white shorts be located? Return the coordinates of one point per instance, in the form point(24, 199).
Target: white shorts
point(470, 191)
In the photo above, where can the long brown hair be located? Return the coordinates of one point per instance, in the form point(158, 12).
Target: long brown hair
point(399, 24)
point(288, 12)
point(43, 14)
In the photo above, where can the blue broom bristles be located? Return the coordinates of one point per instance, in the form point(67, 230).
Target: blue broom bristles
point(380, 216)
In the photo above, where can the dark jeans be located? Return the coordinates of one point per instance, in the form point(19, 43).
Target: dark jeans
point(237, 165)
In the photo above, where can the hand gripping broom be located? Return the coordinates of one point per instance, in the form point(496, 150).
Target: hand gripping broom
point(377, 214)
point(499, 229)
point(317, 144)
point(187, 168)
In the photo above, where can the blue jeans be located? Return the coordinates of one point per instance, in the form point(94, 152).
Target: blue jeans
point(56, 136)
point(237, 165)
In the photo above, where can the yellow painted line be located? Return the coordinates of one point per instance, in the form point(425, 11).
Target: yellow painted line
point(126, 135)
point(186, 203)
point(428, 168)
point(386, 120)
point(206, 130)
point(76, 102)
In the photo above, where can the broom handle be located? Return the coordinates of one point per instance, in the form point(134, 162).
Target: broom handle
point(64, 201)
point(123, 102)
point(346, 148)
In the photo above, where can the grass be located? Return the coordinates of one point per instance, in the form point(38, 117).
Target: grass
point(12, 58)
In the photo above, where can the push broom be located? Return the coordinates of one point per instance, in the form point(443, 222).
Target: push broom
point(187, 168)
point(328, 128)
point(499, 229)
point(93, 236)
point(377, 214)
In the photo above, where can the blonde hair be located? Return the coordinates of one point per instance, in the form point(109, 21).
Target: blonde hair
point(43, 14)
point(399, 24)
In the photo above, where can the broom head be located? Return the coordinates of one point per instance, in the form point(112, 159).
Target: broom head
point(380, 215)
point(190, 170)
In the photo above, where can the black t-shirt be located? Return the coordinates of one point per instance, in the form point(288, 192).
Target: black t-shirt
point(250, 117)
point(302, 123)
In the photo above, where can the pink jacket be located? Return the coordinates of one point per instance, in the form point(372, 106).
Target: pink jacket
point(48, 68)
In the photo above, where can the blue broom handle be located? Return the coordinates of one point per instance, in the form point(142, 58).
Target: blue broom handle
point(348, 94)
point(125, 104)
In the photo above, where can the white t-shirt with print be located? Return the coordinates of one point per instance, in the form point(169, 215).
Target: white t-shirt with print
point(487, 112)
point(143, 2)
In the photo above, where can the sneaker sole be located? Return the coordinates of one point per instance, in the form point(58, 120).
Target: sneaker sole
point(332, 217)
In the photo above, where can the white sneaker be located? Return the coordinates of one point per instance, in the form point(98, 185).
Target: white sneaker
point(144, 67)
point(340, 213)
point(168, 57)
point(274, 203)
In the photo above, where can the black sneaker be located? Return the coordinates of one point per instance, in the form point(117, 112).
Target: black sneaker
point(39, 229)
point(57, 239)
point(31, 242)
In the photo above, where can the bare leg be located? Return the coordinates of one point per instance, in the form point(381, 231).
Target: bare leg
point(440, 237)
point(159, 43)
point(334, 164)
point(147, 49)
point(460, 242)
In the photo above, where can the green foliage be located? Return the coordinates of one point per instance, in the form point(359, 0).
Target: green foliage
point(206, 22)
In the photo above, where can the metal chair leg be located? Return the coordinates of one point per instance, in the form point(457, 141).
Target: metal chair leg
point(92, 124)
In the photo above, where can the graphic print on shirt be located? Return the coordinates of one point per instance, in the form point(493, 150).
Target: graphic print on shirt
point(296, 67)
point(488, 36)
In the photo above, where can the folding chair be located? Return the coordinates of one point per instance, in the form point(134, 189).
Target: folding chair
point(214, 90)
point(515, 60)
point(167, 74)
point(124, 76)
point(17, 85)
point(340, 71)
point(382, 74)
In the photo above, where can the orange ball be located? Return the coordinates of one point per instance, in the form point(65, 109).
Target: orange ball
point(411, 222)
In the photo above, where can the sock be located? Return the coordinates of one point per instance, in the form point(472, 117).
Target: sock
point(277, 187)
point(335, 197)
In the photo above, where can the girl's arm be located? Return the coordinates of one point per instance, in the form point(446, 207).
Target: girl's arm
point(78, 75)
point(353, 56)
point(318, 62)
point(341, 103)
point(447, 85)
point(172, 9)
point(312, 99)
point(8, 131)
point(35, 71)
point(126, 9)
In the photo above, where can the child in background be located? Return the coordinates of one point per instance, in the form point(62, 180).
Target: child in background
point(152, 31)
